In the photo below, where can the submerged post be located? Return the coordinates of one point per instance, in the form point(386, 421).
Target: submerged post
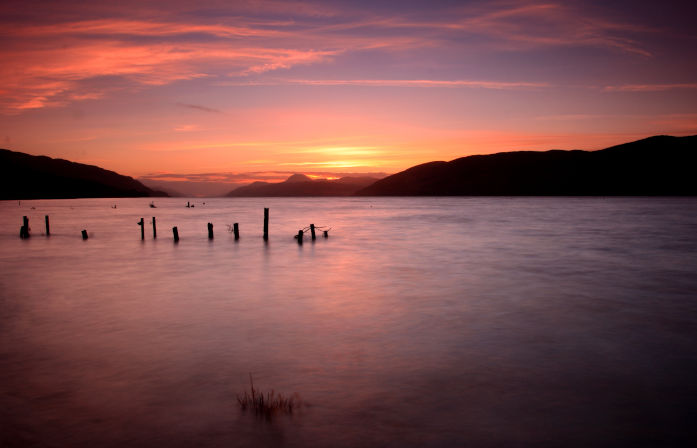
point(24, 230)
point(154, 228)
point(142, 228)
point(236, 231)
point(312, 231)
point(48, 230)
point(210, 231)
point(326, 233)
point(84, 234)
point(175, 231)
point(266, 224)
point(300, 236)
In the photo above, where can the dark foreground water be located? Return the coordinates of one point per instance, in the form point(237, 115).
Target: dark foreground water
point(478, 322)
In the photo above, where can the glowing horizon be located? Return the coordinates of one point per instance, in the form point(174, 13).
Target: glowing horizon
point(344, 87)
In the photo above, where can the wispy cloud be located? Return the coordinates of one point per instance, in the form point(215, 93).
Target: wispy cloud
point(201, 108)
point(530, 24)
point(498, 85)
point(240, 178)
point(186, 128)
point(677, 124)
point(342, 164)
point(52, 64)
point(137, 28)
point(650, 87)
point(508, 25)
point(286, 59)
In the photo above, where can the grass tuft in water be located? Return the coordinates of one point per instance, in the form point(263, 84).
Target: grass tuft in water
point(267, 404)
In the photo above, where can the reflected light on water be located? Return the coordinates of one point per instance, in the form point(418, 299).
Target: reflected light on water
point(418, 322)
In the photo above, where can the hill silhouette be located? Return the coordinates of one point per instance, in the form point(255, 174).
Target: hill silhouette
point(23, 176)
point(660, 165)
point(301, 185)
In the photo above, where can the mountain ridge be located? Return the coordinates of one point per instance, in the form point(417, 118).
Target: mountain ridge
point(658, 165)
point(25, 176)
point(302, 185)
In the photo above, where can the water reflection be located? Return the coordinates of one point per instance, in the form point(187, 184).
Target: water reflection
point(419, 322)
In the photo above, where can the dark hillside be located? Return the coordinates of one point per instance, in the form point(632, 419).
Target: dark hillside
point(660, 165)
point(23, 176)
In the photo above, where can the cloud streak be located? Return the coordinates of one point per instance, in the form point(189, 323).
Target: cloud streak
point(201, 108)
point(529, 24)
point(240, 178)
point(650, 87)
point(52, 64)
point(420, 83)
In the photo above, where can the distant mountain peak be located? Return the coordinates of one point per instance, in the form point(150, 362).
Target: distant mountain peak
point(297, 177)
point(302, 185)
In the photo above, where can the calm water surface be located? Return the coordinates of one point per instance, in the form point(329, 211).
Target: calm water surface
point(474, 322)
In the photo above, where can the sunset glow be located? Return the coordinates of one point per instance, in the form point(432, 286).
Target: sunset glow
point(236, 88)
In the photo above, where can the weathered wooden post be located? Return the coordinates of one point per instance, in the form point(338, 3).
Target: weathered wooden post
point(84, 234)
point(154, 228)
point(48, 230)
point(236, 231)
point(24, 230)
point(142, 228)
point(312, 231)
point(175, 231)
point(266, 224)
point(210, 231)
point(326, 233)
point(300, 236)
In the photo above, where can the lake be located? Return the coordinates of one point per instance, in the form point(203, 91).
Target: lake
point(478, 322)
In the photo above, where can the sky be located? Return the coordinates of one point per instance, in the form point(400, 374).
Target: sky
point(237, 91)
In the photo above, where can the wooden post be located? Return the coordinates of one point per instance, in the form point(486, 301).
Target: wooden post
point(300, 236)
point(210, 231)
point(312, 231)
point(175, 231)
point(326, 233)
point(236, 231)
point(266, 224)
point(24, 230)
point(154, 228)
point(48, 229)
point(142, 228)
point(84, 234)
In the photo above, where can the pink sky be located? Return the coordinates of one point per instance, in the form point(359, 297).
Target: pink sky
point(337, 87)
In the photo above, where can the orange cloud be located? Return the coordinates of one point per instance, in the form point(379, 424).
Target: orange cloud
point(187, 128)
point(497, 85)
point(52, 64)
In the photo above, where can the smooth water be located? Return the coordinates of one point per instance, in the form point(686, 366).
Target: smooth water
point(474, 322)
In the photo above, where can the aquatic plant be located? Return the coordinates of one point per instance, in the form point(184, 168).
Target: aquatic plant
point(267, 404)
